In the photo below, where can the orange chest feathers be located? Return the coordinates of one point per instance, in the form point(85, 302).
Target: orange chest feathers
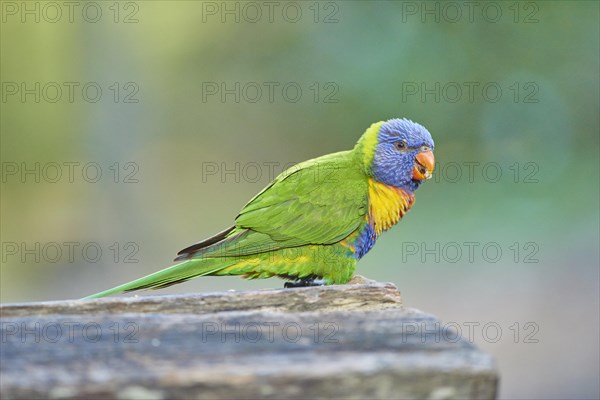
point(387, 205)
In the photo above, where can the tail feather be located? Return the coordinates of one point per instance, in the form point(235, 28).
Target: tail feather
point(169, 276)
point(192, 250)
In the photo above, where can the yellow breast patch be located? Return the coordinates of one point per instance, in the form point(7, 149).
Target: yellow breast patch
point(387, 205)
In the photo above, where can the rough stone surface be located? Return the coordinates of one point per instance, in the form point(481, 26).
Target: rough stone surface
point(348, 341)
point(338, 297)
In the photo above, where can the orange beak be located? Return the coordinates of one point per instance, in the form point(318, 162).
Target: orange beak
point(424, 164)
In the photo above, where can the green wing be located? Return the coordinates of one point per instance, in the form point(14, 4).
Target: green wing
point(319, 201)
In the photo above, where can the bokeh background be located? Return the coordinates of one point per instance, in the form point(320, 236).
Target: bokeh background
point(178, 161)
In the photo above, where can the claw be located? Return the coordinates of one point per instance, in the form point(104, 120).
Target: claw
point(304, 282)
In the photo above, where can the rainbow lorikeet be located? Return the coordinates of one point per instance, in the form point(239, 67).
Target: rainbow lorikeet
point(317, 219)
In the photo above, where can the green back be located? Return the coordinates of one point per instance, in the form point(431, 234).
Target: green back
point(319, 201)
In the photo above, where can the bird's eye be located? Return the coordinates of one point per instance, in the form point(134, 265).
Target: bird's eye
point(401, 144)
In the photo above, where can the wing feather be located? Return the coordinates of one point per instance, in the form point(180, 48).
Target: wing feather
point(320, 201)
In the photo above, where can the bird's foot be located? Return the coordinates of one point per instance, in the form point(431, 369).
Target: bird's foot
point(304, 282)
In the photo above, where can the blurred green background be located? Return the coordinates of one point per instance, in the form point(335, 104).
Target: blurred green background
point(186, 160)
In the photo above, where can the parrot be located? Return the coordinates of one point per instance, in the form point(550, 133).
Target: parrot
point(315, 220)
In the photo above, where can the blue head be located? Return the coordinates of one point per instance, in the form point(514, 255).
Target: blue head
point(403, 154)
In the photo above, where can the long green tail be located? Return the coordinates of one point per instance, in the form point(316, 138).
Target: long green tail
point(169, 276)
